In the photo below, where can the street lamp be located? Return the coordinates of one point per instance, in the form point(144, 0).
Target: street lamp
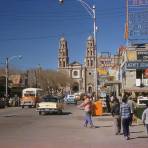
point(8, 59)
point(92, 12)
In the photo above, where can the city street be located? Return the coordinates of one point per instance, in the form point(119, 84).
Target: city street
point(24, 128)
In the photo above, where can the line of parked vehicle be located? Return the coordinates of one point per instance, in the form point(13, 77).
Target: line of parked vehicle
point(34, 97)
point(9, 102)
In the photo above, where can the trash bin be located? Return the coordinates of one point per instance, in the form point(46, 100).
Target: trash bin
point(97, 108)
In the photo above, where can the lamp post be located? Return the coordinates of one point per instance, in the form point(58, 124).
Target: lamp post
point(8, 59)
point(92, 12)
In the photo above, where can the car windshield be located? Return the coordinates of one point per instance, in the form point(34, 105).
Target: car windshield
point(50, 99)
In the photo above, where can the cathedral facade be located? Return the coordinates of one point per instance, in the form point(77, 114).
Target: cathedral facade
point(83, 75)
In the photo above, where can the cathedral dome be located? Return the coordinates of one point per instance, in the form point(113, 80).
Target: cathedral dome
point(90, 37)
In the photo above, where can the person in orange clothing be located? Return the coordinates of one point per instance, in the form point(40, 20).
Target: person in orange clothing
point(87, 106)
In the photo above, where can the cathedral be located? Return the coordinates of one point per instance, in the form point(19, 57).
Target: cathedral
point(83, 75)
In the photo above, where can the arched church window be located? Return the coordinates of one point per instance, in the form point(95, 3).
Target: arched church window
point(64, 64)
point(88, 62)
point(75, 73)
point(91, 52)
point(60, 63)
point(91, 64)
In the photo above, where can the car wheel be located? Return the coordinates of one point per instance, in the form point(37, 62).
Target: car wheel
point(60, 112)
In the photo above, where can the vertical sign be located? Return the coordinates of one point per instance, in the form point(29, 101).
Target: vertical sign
point(138, 21)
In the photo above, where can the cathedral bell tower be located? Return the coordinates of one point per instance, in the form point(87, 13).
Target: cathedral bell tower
point(90, 66)
point(63, 59)
point(90, 53)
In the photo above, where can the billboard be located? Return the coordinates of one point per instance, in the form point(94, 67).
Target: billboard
point(137, 65)
point(138, 21)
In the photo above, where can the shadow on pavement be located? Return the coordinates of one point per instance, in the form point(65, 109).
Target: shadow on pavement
point(137, 124)
point(142, 137)
point(8, 116)
point(137, 132)
point(105, 126)
point(63, 113)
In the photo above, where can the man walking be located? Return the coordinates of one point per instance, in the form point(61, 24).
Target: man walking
point(125, 113)
point(116, 115)
point(145, 117)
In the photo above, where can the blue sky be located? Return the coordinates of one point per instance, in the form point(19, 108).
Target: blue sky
point(32, 28)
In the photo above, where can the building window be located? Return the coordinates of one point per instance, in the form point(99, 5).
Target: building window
point(64, 64)
point(91, 52)
point(91, 64)
point(88, 62)
point(75, 73)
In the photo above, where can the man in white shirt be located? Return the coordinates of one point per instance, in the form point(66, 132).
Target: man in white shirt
point(132, 108)
point(145, 117)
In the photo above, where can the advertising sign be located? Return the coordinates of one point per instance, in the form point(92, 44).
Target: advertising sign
point(146, 73)
point(102, 72)
point(142, 55)
point(131, 55)
point(137, 65)
point(138, 21)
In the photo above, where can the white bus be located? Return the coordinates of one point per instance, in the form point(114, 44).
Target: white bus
point(30, 96)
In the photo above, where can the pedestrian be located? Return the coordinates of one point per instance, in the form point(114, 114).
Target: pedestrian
point(108, 103)
point(116, 115)
point(145, 117)
point(125, 113)
point(132, 108)
point(87, 106)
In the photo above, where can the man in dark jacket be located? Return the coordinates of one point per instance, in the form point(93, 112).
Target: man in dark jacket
point(116, 115)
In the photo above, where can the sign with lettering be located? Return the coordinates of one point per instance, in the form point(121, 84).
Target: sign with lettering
point(138, 21)
point(142, 55)
point(137, 65)
point(146, 73)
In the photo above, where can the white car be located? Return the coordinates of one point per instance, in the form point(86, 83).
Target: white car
point(70, 99)
point(50, 104)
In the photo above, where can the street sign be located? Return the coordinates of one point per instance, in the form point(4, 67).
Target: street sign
point(138, 21)
point(137, 65)
point(142, 55)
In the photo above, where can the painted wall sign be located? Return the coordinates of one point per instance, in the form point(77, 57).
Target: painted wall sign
point(137, 65)
point(142, 55)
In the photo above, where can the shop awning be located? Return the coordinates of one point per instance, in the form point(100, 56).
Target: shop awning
point(136, 89)
point(108, 83)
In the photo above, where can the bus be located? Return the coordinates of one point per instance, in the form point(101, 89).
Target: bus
point(31, 96)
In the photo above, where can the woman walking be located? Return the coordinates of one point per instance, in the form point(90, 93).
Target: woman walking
point(87, 105)
point(125, 113)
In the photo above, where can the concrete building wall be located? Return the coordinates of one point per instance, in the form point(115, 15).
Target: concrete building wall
point(130, 79)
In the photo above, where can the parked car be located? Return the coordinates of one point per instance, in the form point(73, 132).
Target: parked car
point(14, 101)
point(142, 101)
point(50, 104)
point(70, 99)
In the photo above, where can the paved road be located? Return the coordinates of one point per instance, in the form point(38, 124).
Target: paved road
point(24, 128)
